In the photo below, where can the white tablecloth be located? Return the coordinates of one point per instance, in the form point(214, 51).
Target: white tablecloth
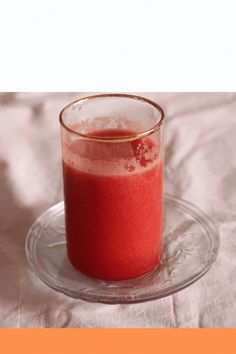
point(200, 166)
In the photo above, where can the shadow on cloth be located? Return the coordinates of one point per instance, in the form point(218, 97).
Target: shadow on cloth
point(15, 221)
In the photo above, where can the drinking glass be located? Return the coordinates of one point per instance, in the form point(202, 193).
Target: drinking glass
point(112, 153)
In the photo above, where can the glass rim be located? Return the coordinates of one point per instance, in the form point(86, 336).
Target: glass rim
point(129, 137)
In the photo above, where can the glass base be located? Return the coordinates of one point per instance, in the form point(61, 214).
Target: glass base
point(190, 246)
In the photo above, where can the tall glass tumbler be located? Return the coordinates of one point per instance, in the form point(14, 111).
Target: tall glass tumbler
point(112, 155)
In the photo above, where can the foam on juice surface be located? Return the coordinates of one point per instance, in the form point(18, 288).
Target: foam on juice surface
point(106, 158)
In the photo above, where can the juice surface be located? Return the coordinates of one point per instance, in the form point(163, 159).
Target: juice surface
point(113, 201)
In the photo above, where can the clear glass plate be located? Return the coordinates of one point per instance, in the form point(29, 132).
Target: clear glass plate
point(190, 246)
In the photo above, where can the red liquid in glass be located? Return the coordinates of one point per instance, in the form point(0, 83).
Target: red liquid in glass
point(113, 214)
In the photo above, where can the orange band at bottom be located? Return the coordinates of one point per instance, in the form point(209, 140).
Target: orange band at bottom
point(117, 341)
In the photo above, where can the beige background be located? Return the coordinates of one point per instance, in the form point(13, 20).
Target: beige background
point(200, 166)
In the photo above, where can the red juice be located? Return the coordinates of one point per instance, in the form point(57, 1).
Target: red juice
point(113, 201)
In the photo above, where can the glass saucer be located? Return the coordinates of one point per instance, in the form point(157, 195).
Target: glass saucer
point(190, 246)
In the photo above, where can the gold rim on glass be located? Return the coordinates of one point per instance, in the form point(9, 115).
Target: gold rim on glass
point(120, 138)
